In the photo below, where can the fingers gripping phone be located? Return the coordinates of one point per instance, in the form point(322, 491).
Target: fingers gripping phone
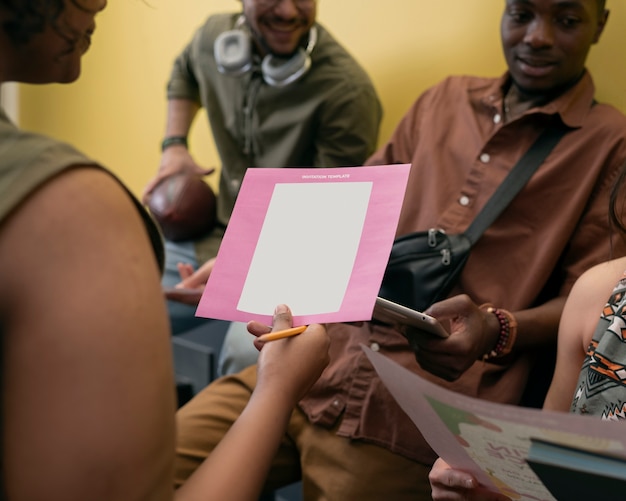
point(400, 317)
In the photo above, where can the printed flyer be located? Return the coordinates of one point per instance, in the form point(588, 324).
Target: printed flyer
point(491, 440)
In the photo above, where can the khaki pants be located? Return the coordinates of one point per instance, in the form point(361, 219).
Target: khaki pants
point(333, 468)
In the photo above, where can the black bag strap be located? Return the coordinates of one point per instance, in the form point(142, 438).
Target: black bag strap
point(515, 180)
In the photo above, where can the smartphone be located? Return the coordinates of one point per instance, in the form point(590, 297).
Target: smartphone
point(400, 317)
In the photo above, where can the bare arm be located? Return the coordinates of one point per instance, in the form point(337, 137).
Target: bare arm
point(237, 469)
point(88, 392)
point(538, 326)
point(579, 320)
point(180, 116)
point(176, 158)
point(475, 332)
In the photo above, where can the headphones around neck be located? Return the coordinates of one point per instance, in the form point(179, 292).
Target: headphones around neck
point(233, 54)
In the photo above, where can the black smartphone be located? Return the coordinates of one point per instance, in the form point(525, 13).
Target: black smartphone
point(400, 316)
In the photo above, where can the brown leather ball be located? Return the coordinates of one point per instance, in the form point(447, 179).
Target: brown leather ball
point(184, 206)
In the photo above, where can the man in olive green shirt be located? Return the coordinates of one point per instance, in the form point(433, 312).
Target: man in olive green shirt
point(303, 101)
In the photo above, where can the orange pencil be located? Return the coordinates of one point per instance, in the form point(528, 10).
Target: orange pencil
point(272, 336)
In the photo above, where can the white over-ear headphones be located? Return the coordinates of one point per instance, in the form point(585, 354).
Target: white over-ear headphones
point(233, 54)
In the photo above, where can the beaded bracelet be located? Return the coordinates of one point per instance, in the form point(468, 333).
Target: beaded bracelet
point(172, 140)
point(507, 334)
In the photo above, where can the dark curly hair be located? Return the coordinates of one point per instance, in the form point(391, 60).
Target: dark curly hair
point(29, 17)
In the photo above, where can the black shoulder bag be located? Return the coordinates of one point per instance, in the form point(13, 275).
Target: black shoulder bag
point(424, 266)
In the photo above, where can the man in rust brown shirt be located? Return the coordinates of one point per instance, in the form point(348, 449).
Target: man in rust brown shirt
point(348, 440)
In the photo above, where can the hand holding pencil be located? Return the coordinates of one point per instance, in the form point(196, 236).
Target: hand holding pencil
point(282, 318)
point(296, 360)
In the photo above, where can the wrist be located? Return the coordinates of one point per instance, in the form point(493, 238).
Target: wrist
point(281, 396)
point(507, 333)
point(172, 141)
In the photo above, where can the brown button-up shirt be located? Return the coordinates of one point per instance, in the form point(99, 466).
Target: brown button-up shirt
point(460, 150)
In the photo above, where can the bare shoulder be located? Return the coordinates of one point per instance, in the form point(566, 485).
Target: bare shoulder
point(70, 214)
point(81, 236)
point(589, 295)
point(599, 280)
point(76, 245)
point(578, 323)
point(83, 315)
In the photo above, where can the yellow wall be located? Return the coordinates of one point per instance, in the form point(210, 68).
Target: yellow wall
point(116, 111)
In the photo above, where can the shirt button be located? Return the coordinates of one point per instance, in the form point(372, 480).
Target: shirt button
point(484, 158)
point(336, 403)
point(375, 347)
point(497, 118)
point(464, 201)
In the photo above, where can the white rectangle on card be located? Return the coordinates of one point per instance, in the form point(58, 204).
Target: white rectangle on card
point(333, 235)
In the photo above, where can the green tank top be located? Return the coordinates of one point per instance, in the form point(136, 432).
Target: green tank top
point(29, 160)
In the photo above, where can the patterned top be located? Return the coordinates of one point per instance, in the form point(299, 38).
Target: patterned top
point(601, 389)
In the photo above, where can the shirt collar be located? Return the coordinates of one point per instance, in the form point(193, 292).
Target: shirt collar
point(572, 106)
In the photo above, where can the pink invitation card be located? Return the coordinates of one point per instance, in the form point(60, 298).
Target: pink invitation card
point(315, 239)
